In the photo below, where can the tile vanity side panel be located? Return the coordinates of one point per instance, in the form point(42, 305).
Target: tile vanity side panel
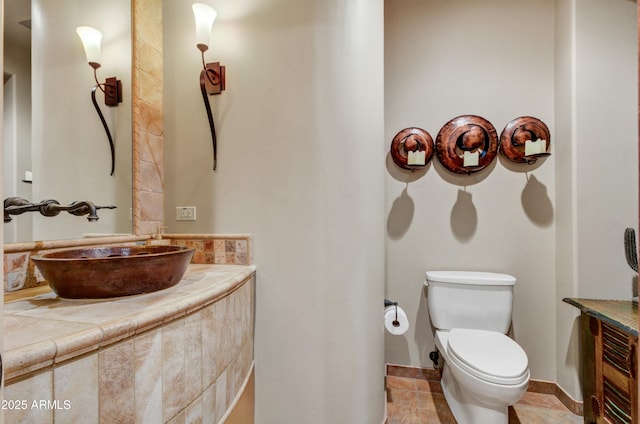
point(148, 377)
point(173, 367)
point(116, 383)
point(79, 394)
point(211, 339)
point(226, 349)
point(178, 419)
point(37, 388)
point(193, 355)
point(209, 405)
point(221, 395)
point(193, 412)
point(249, 320)
point(170, 374)
point(231, 384)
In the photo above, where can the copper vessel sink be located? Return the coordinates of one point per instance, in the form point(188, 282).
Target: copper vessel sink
point(113, 271)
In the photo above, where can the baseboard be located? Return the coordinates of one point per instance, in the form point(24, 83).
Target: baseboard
point(429, 374)
point(535, 386)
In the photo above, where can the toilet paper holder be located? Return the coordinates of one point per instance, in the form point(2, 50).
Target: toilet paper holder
point(388, 303)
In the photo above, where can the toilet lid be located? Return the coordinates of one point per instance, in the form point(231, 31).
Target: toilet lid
point(489, 355)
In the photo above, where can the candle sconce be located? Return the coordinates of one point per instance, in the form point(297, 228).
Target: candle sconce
point(525, 140)
point(212, 76)
point(412, 148)
point(467, 144)
point(112, 87)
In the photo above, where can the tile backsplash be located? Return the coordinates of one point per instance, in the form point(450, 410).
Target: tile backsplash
point(233, 249)
point(16, 269)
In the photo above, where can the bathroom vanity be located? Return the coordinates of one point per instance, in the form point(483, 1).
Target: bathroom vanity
point(609, 339)
point(180, 354)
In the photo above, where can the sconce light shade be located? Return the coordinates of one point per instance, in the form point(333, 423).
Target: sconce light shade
point(91, 39)
point(204, 15)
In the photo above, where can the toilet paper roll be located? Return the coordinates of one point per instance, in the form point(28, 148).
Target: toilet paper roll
point(396, 328)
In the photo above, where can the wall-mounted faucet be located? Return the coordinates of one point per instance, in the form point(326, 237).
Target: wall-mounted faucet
point(50, 207)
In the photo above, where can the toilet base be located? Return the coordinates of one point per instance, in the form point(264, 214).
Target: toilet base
point(465, 408)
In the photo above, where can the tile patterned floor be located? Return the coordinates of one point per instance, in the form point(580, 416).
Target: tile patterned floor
point(419, 401)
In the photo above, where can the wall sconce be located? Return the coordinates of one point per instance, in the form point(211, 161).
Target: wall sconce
point(212, 76)
point(112, 87)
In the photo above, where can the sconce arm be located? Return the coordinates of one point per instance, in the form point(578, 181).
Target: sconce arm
point(212, 125)
point(104, 124)
point(95, 77)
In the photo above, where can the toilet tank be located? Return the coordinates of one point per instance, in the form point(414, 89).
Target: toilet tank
point(466, 299)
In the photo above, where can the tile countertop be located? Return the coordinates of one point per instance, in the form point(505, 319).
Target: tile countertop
point(44, 330)
point(622, 314)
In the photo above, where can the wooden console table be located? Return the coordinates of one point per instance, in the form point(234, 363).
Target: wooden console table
point(609, 337)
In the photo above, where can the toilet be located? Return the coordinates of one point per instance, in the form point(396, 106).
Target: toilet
point(484, 370)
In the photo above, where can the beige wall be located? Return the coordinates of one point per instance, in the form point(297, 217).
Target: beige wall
point(557, 226)
point(606, 151)
point(596, 169)
point(500, 220)
point(300, 166)
point(567, 334)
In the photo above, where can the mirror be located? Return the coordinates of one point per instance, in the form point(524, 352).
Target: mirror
point(53, 133)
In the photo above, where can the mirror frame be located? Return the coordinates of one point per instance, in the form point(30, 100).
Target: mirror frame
point(147, 137)
point(148, 119)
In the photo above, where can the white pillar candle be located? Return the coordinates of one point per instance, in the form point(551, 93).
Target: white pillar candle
point(535, 147)
point(411, 158)
point(471, 158)
point(417, 158)
point(420, 157)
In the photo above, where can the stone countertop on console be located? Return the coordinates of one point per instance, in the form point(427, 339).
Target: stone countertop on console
point(43, 330)
point(622, 314)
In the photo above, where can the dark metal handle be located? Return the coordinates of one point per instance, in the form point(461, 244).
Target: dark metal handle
point(50, 207)
point(106, 127)
point(212, 124)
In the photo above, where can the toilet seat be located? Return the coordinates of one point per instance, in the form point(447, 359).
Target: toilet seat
point(488, 355)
